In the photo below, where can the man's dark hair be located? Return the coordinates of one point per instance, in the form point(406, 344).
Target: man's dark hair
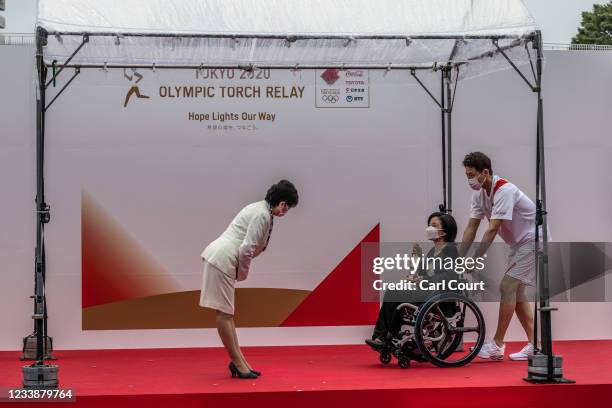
point(478, 160)
point(449, 226)
point(285, 191)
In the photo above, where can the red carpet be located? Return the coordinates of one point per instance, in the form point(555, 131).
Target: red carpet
point(306, 376)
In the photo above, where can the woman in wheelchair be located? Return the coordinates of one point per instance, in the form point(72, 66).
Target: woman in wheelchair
point(442, 230)
point(428, 325)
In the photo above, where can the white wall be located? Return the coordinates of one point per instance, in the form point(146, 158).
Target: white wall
point(495, 114)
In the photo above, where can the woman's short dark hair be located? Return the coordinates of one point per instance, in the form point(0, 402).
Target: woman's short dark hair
point(478, 160)
point(449, 226)
point(285, 191)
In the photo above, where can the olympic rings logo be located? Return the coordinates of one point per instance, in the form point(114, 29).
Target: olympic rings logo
point(330, 98)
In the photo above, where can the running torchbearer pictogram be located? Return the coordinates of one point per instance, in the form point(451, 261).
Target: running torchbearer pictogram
point(134, 89)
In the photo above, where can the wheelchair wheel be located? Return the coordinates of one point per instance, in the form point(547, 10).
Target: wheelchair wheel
point(441, 323)
point(403, 362)
point(385, 357)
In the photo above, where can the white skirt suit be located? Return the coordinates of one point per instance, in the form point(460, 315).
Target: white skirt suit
point(227, 259)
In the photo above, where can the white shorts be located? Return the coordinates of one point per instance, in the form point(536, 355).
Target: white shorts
point(521, 263)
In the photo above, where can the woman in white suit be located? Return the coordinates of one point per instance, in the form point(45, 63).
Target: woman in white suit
point(228, 258)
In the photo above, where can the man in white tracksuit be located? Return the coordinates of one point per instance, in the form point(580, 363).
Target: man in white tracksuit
point(511, 214)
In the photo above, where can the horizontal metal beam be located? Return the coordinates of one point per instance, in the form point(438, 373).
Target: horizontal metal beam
point(290, 36)
point(252, 67)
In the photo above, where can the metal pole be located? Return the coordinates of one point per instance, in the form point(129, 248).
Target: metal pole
point(285, 36)
point(537, 232)
point(31, 343)
point(546, 329)
point(252, 67)
point(444, 163)
point(38, 374)
point(543, 366)
point(40, 199)
point(449, 113)
point(546, 325)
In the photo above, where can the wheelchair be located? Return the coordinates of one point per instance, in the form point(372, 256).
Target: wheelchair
point(432, 332)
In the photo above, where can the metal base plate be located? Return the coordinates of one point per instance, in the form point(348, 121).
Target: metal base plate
point(559, 380)
point(537, 371)
point(40, 376)
point(29, 348)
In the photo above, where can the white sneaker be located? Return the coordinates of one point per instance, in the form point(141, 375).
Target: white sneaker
point(492, 351)
point(523, 354)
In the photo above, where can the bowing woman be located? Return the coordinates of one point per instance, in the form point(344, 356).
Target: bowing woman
point(228, 259)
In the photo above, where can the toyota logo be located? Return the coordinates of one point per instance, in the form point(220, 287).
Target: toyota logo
point(330, 98)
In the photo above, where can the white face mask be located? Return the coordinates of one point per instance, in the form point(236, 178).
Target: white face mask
point(432, 232)
point(475, 184)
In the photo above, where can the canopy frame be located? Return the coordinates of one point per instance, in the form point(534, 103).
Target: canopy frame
point(445, 103)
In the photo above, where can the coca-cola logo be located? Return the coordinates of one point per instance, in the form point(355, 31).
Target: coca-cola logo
point(354, 73)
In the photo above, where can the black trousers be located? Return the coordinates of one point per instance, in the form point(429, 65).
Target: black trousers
point(389, 320)
point(385, 320)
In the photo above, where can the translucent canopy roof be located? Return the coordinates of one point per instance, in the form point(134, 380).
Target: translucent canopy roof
point(285, 33)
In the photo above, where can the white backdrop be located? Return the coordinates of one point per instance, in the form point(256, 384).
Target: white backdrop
point(175, 185)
